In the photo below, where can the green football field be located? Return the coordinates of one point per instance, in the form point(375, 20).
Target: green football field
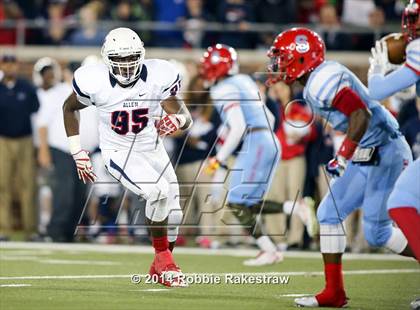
point(83, 276)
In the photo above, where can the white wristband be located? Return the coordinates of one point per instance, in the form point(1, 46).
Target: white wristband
point(182, 120)
point(74, 144)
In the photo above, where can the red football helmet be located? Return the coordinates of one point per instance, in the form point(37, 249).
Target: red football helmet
point(294, 52)
point(411, 20)
point(218, 61)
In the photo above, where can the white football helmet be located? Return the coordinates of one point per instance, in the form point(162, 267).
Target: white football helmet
point(123, 52)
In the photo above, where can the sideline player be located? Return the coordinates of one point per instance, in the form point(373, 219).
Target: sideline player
point(367, 164)
point(404, 201)
point(128, 91)
point(236, 98)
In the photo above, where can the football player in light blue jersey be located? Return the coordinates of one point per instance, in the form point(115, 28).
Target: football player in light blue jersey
point(381, 85)
point(367, 164)
point(236, 98)
point(404, 201)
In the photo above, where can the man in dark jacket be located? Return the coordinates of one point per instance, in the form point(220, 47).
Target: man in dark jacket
point(17, 167)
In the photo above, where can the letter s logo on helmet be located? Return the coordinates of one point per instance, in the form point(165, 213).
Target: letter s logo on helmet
point(123, 52)
point(294, 53)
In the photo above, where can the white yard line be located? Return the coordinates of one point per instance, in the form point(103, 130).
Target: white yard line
point(105, 276)
point(41, 260)
point(290, 273)
point(19, 258)
point(152, 290)
point(78, 262)
point(15, 285)
point(29, 252)
point(102, 248)
point(294, 295)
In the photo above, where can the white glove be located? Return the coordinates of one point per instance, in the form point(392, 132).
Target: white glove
point(84, 166)
point(379, 62)
point(168, 125)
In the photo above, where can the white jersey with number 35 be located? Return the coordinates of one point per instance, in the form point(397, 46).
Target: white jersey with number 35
point(126, 113)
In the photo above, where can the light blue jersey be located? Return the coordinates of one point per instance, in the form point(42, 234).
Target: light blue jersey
point(407, 189)
point(240, 89)
point(256, 161)
point(381, 87)
point(361, 186)
point(406, 192)
point(326, 81)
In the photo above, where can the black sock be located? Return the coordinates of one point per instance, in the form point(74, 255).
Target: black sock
point(268, 207)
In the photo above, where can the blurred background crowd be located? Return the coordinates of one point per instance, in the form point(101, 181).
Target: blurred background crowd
point(345, 24)
point(41, 197)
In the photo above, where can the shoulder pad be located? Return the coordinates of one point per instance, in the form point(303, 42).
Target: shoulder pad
point(88, 79)
point(327, 81)
point(161, 72)
point(224, 90)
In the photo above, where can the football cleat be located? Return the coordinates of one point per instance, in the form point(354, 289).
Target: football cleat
point(166, 271)
point(415, 304)
point(265, 258)
point(312, 302)
point(169, 278)
point(309, 302)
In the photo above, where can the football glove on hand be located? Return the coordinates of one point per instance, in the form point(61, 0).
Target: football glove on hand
point(212, 165)
point(84, 166)
point(379, 62)
point(168, 125)
point(336, 166)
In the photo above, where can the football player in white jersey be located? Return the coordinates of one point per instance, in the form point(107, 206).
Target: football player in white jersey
point(129, 92)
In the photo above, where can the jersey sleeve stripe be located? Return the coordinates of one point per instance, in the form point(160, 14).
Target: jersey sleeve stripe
point(78, 91)
point(324, 86)
point(333, 87)
point(230, 105)
point(342, 83)
point(417, 71)
point(413, 52)
point(176, 80)
point(413, 60)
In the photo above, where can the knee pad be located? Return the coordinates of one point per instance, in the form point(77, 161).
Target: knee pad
point(397, 241)
point(377, 234)
point(332, 238)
